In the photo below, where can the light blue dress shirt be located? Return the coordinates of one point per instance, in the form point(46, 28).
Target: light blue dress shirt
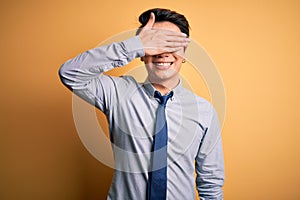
point(194, 143)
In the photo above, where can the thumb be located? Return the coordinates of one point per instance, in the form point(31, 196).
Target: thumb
point(150, 21)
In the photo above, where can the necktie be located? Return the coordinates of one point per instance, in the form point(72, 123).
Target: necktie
point(157, 182)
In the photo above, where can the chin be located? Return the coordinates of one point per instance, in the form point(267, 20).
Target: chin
point(161, 77)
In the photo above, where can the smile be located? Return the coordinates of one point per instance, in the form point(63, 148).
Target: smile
point(162, 65)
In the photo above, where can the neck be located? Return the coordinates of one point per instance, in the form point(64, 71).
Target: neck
point(165, 87)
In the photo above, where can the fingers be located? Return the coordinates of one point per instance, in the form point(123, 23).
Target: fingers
point(158, 46)
point(170, 32)
point(149, 24)
point(176, 51)
point(178, 40)
point(172, 41)
point(151, 21)
point(159, 40)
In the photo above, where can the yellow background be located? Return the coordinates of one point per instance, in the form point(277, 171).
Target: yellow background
point(255, 44)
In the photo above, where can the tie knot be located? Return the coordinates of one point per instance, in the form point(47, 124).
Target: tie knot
point(163, 99)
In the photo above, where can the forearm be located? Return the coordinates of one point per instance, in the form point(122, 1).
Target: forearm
point(210, 174)
point(78, 72)
point(210, 162)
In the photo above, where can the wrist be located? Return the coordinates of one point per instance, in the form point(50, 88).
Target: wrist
point(134, 46)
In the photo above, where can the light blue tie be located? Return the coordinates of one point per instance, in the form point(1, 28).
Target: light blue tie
point(157, 182)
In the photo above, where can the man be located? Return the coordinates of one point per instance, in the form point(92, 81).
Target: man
point(161, 133)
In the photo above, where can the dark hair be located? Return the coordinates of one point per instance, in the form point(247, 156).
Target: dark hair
point(165, 15)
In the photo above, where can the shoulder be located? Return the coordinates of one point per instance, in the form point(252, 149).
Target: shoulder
point(204, 108)
point(191, 97)
point(123, 82)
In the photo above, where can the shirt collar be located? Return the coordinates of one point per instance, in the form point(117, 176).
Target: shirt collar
point(150, 89)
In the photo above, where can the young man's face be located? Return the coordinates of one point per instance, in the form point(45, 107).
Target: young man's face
point(166, 66)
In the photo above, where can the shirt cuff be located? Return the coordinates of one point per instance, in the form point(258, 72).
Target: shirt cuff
point(134, 47)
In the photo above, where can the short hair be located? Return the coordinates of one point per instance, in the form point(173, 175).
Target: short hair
point(162, 15)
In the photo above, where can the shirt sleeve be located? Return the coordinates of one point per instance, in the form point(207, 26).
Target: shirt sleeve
point(84, 73)
point(210, 163)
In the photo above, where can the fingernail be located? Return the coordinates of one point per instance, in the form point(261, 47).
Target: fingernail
point(184, 34)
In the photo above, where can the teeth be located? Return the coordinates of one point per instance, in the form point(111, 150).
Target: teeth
point(163, 64)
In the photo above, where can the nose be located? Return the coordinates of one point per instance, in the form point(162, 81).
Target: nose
point(162, 55)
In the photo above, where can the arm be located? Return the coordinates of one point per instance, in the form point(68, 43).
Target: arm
point(210, 163)
point(83, 74)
